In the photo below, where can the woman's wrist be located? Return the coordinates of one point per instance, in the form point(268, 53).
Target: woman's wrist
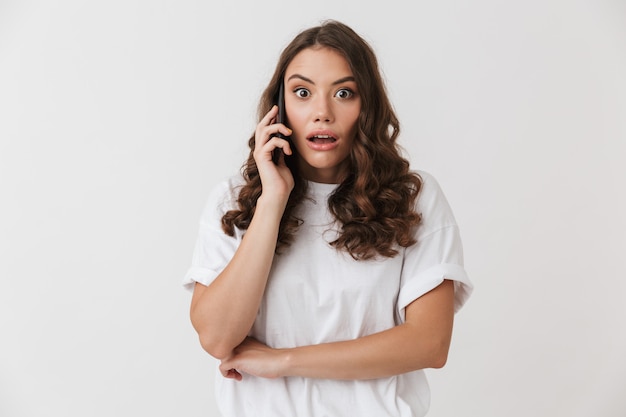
point(287, 362)
point(276, 204)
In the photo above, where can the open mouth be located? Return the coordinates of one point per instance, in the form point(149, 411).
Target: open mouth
point(321, 139)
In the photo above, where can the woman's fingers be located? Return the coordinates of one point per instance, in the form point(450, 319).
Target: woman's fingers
point(278, 143)
point(267, 130)
point(232, 374)
point(269, 116)
point(254, 358)
point(263, 131)
point(275, 176)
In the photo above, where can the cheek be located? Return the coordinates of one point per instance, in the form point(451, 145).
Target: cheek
point(296, 121)
point(295, 113)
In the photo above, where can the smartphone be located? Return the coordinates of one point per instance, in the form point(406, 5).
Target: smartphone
point(281, 118)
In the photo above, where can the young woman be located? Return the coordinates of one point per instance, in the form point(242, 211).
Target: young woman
point(326, 277)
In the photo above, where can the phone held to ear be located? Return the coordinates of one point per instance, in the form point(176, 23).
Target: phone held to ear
point(281, 118)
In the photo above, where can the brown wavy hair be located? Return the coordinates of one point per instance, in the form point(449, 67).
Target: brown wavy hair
point(375, 204)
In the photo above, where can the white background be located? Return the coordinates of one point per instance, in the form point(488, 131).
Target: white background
point(117, 117)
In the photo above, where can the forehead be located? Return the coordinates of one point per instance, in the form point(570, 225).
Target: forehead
point(319, 62)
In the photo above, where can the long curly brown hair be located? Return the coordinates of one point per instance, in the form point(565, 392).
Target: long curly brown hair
point(375, 203)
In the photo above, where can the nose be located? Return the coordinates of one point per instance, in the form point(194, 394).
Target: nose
point(323, 110)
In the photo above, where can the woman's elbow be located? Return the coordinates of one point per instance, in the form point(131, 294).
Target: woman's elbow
point(216, 348)
point(439, 355)
point(439, 360)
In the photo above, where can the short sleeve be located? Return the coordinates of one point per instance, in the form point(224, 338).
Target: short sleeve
point(438, 253)
point(214, 248)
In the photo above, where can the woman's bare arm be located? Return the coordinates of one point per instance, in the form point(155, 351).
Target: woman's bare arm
point(421, 342)
point(223, 312)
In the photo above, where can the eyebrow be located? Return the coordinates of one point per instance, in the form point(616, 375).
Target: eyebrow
point(308, 80)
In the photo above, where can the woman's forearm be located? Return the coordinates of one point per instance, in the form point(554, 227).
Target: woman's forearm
point(391, 352)
point(421, 342)
point(224, 312)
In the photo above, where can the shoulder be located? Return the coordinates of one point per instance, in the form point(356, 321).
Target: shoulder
point(222, 197)
point(430, 193)
point(432, 204)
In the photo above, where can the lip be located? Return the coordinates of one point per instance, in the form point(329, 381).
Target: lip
point(330, 140)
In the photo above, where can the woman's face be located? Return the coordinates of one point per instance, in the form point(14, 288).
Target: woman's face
point(322, 105)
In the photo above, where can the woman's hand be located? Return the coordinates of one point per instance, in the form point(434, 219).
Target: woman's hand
point(254, 358)
point(276, 178)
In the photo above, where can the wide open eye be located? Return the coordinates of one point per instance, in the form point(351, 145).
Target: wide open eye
point(302, 92)
point(344, 93)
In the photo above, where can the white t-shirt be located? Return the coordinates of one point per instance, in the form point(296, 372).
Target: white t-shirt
point(317, 294)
